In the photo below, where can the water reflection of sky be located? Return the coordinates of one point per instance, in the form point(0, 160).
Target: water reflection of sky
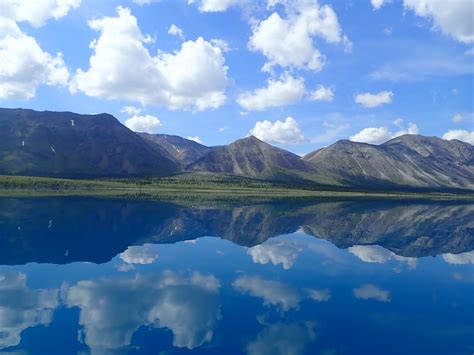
point(292, 294)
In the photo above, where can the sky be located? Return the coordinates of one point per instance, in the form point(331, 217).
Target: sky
point(298, 74)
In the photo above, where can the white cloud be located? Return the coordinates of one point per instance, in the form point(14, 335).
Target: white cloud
point(372, 135)
point(36, 12)
point(322, 94)
point(22, 308)
point(377, 4)
point(373, 100)
point(112, 310)
point(453, 18)
point(146, 123)
point(289, 42)
point(379, 255)
point(281, 339)
point(193, 77)
point(459, 259)
point(272, 292)
point(196, 139)
point(283, 132)
point(459, 117)
point(282, 252)
point(25, 65)
point(220, 43)
point(285, 91)
point(398, 122)
point(460, 134)
point(215, 5)
point(322, 295)
point(378, 135)
point(176, 31)
point(369, 291)
point(469, 51)
point(145, 2)
point(131, 110)
point(143, 254)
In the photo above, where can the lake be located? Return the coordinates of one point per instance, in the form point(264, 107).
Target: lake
point(128, 276)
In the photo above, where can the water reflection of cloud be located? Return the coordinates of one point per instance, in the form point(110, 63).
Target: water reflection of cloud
point(112, 310)
point(280, 338)
point(459, 259)
point(21, 307)
point(272, 292)
point(284, 252)
point(321, 295)
point(143, 254)
point(372, 292)
point(380, 255)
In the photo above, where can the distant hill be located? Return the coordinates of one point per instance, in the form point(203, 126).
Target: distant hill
point(251, 157)
point(184, 151)
point(407, 161)
point(72, 145)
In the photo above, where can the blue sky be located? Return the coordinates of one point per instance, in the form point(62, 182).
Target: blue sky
point(299, 74)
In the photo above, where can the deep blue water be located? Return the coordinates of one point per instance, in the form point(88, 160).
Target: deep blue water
point(114, 276)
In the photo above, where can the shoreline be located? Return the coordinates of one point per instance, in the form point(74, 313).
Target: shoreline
point(166, 188)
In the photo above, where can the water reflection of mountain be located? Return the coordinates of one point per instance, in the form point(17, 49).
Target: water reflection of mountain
point(63, 230)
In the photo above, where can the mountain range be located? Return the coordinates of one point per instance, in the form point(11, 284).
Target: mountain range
point(65, 144)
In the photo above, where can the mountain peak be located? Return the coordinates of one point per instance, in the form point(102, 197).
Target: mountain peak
point(249, 140)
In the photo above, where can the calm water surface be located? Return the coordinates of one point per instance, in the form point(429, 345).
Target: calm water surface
point(112, 276)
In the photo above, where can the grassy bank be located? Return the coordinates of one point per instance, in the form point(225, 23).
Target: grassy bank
point(188, 186)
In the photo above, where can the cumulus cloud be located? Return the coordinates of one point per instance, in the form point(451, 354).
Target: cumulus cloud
point(283, 132)
point(146, 123)
point(143, 254)
point(372, 292)
point(281, 339)
point(460, 134)
point(377, 4)
point(379, 135)
point(284, 252)
point(36, 12)
point(322, 94)
point(22, 308)
point(379, 255)
point(453, 18)
point(112, 310)
point(197, 139)
point(373, 100)
point(25, 65)
point(192, 77)
point(289, 41)
point(176, 31)
point(322, 295)
point(272, 292)
point(459, 259)
point(285, 91)
point(216, 5)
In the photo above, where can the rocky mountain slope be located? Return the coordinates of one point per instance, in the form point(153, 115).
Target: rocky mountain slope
point(184, 151)
point(72, 145)
point(407, 161)
point(252, 158)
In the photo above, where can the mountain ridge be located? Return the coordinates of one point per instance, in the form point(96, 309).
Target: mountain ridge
point(66, 144)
